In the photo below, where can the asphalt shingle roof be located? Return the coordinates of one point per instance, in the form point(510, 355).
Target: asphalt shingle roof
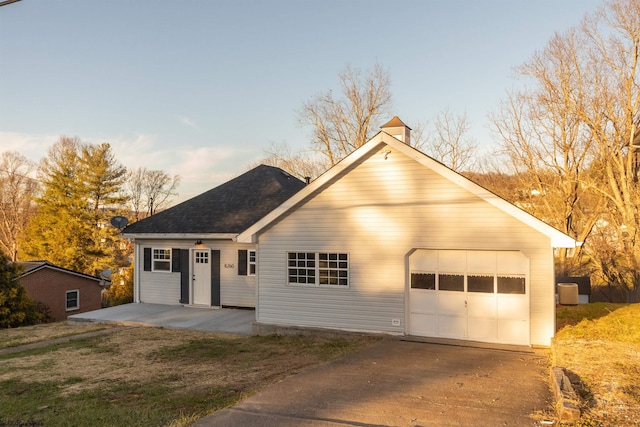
point(32, 266)
point(231, 207)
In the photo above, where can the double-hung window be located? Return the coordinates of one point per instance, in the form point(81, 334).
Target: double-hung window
point(72, 300)
point(161, 260)
point(252, 263)
point(318, 268)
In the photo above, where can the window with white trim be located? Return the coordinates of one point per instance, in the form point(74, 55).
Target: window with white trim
point(318, 268)
point(252, 263)
point(161, 260)
point(72, 300)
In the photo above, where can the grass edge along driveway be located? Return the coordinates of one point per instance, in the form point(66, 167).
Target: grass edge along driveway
point(149, 376)
point(599, 345)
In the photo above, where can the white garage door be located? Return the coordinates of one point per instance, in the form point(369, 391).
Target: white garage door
point(470, 295)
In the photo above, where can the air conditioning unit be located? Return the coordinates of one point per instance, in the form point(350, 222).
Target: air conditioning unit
point(568, 294)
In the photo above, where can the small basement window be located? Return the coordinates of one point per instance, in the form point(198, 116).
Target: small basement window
point(72, 300)
point(161, 260)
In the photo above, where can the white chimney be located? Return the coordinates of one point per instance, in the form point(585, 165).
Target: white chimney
point(396, 128)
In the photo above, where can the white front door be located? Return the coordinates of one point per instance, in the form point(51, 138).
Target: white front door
point(201, 277)
point(470, 295)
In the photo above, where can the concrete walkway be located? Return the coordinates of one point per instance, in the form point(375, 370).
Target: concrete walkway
point(234, 321)
point(400, 383)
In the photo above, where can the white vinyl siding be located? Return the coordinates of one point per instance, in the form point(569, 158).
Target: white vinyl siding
point(235, 290)
point(378, 212)
point(159, 288)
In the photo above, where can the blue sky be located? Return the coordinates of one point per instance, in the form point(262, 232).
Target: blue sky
point(201, 88)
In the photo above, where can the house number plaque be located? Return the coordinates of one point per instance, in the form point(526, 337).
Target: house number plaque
point(229, 265)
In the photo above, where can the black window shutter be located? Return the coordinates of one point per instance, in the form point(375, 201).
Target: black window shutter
point(175, 260)
point(184, 277)
point(215, 278)
point(242, 262)
point(147, 259)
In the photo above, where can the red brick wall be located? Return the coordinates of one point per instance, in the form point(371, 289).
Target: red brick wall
point(49, 287)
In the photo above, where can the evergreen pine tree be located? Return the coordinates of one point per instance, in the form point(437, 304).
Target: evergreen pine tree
point(16, 308)
point(81, 192)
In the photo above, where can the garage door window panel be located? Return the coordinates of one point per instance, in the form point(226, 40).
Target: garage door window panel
point(480, 283)
point(511, 285)
point(451, 282)
point(423, 281)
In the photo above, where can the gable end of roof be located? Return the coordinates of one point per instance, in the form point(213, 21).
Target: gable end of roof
point(558, 239)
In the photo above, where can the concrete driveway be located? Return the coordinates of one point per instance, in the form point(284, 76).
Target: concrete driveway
point(401, 383)
point(235, 321)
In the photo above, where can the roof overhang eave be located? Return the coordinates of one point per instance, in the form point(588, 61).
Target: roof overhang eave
point(181, 236)
point(561, 240)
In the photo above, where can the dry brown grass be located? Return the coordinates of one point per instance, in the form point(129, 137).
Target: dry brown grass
point(30, 334)
point(133, 368)
point(604, 354)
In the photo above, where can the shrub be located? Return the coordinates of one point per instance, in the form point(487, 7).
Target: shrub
point(16, 308)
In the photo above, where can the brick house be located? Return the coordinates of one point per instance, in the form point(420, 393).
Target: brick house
point(64, 291)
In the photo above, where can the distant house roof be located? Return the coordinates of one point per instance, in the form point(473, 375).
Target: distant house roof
point(230, 208)
point(31, 267)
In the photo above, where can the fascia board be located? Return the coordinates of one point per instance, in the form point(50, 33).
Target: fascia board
point(558, 238)
point(249, 235)
point(63, 270)
point(179, 236)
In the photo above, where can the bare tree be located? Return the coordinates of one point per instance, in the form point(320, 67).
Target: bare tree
point(571, 133)
point(17, 190)
point(134, 183)
point(158, 188)
point(450, 142)
point(300, 163)
point(343, 123)
point(149, 191)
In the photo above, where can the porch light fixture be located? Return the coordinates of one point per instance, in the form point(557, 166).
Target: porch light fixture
point(198, 242)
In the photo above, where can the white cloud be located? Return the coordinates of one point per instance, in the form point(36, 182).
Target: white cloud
point(188, 122)
point(200, 167)
point(142, 150)
point(32, 146)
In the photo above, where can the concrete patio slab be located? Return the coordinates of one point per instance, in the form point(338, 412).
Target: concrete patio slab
point(235, 321)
